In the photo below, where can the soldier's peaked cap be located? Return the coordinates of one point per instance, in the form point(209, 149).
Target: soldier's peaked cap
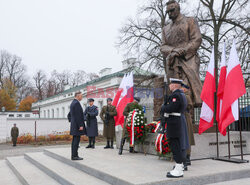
point(175, 81)
point(90, 100)
point(137, 99)
point(185, 86)
point(109, 99)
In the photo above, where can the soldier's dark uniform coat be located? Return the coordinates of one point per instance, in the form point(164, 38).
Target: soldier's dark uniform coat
point(108, 129)
point(92, 128)
point(174, 105)
point(14, 134)
point(76, 119)
point(184, 136)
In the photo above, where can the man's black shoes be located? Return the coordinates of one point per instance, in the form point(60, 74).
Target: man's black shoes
point(76, 158)
point(89, 146)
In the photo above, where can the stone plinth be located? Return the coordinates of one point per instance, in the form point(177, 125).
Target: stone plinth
point(205, 144)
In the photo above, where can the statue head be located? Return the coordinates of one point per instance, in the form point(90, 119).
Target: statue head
point(173, 9)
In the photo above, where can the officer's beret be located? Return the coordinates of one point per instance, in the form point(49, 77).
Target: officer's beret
point(109, 99)
point(90, 100)
point(185, 86)
point(175, 81)
point(137, 99)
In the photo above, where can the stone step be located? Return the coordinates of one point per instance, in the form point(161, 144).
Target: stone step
point(60, 171)
point(244, 181)
point(98, 171)
point(7, 175)
point(139, 169)
point(27, 173)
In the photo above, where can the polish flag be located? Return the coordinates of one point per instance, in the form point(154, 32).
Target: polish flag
point(124, 95)
point(207, 96)
point(234, 88)
point(221, 85)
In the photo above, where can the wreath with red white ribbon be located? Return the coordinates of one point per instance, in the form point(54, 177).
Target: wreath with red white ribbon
point(136, 130)
point(161, 142)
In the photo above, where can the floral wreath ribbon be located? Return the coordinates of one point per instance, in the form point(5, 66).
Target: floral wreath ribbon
point(132, 133)
point(158, 143)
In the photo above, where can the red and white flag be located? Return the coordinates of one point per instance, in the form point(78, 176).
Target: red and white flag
point(124, 95)
point(221, 85)
point(207, 96)
point(234, 88)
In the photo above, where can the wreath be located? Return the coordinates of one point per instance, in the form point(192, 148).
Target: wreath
point(162, 146)
point(152, 127)
point(136, 126)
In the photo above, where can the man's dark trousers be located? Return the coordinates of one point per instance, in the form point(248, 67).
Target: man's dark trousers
point(75, 145)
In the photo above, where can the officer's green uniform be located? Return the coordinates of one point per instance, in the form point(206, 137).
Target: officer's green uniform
point(14, 135)
point(108, 128)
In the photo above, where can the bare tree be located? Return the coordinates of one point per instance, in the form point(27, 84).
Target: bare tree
point(229, 20)
point(40, 82)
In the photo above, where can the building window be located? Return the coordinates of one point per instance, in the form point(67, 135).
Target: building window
point(52, 113)
point(27, 115)
point(11, 115)
point(44, 113)
point(63, 112)
point(57, 112)
point(19, 115)
point(48, 114)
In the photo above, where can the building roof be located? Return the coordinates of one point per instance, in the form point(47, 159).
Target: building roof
point(138, 72)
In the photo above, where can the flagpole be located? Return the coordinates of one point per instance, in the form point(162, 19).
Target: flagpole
point(241, 149)
point(215, 97)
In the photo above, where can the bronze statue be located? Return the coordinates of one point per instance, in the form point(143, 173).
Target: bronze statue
point(181, 39)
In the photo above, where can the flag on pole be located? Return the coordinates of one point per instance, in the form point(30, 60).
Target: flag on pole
point(207, 96)
point(234, 88)
point(124, 95)
point(221, 85)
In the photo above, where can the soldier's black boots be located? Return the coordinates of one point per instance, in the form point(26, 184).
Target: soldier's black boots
point(132, 150)
point(112, 147)
point(121, 146)
point(89, 146)
point(188, 161)
point(107, 146)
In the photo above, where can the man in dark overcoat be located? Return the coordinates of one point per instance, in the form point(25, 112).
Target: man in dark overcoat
point(107, 115)
point(77, 126)
point(90, 114)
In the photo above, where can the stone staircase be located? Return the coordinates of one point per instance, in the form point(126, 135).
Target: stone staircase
point(101, 167)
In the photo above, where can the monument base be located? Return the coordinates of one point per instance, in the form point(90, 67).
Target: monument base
point(205, 145)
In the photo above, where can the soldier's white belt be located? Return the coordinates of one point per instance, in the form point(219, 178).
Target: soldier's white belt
point(172, 114)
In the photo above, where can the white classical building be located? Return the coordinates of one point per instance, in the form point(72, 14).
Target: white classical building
point(100, 89)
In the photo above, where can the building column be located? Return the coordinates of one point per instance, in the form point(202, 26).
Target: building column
point(3, 127)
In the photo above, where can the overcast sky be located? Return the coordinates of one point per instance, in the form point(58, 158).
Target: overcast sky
point(64, 34)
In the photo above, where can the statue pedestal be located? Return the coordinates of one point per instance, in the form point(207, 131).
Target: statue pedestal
point(205, 144)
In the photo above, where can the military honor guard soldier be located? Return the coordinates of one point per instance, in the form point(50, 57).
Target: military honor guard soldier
point(90, 114)
point(77, 126)
point(188, 117)
point(173, 111)
point(129, 107)
point(14, 134)
point(107, 115)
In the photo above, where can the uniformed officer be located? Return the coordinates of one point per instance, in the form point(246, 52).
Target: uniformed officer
point(90, 114)
point(107, 115)
point(174, 112)
point(14, 134)
point(129, 107)
point(188, 117)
